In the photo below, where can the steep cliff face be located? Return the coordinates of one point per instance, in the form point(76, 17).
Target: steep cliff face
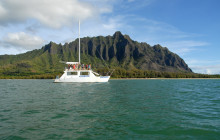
point(117, 51)
point(120, 50)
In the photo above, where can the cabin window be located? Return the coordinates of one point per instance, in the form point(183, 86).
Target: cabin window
point(71, 73)
point(84, 73)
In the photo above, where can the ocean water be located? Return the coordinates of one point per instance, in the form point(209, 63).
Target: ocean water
point(119, 109)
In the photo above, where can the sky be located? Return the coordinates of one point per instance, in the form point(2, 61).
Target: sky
point(189, 28)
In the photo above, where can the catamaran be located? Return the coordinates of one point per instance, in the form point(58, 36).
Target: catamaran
point(76, 73)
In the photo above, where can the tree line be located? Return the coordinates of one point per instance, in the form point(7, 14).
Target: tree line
point(117, 73)
point(136, 73)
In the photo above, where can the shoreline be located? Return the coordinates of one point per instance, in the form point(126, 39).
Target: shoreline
point(156, 78)
point(118, 78)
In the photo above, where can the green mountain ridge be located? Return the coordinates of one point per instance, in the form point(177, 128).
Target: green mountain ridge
point(117, 51)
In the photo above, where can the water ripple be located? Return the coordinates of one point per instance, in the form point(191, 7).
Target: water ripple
point(120, 109)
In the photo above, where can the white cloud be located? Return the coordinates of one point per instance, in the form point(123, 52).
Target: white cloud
point(22, 21)
point(104, 26)
point(131, 5)
point(11, 51)
point(204, 66)
point(22, 40)
point(113, 23)
point(152, 31)
point(131, 0)
point(103, 6)
point(2, 10)
point(184, 46)
point(52, 13)
point(208, 69)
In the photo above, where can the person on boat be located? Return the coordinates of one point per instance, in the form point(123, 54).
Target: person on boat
point(74, 67)
point(89, 66)
point(86, 66)
point(83, 66)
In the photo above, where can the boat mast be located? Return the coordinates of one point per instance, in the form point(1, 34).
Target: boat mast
point(79, 41)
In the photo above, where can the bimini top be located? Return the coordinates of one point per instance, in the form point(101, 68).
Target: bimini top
point(72, 63)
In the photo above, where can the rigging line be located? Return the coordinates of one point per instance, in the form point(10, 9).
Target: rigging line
point(112, 72)
point(62, 62)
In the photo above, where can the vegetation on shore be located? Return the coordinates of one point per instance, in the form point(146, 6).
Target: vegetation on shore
point(118, 73)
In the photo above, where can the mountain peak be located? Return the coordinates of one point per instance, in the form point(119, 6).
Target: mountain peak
point(117, 34)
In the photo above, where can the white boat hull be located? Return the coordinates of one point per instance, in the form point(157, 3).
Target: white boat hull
point(82, 79)
point(65, 78)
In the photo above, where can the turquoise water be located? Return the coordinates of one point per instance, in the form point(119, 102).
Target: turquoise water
point(119, 109)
